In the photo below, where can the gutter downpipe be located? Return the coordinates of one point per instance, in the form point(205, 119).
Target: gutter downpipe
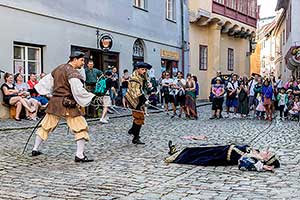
point(182, 37)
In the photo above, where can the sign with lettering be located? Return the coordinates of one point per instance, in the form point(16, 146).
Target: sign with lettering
point(171, 55)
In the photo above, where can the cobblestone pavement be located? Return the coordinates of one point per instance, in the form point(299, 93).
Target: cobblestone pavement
point(125, 171)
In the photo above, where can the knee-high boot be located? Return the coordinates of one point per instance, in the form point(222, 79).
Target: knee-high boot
point(136, 135)
point(132, 129)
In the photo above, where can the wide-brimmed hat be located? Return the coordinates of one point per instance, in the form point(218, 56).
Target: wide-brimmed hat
point(289, 90)
point(77, 54)
point(142, 65)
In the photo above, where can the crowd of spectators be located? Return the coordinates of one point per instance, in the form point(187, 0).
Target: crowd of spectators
point(255, 96)
point(22, 94)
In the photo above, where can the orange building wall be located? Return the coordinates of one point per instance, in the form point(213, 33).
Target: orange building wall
point(255, 60)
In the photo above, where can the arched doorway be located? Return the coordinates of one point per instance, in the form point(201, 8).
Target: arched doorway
point(138, 51)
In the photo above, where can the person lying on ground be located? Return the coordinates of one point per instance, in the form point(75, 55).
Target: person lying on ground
point(244, 156)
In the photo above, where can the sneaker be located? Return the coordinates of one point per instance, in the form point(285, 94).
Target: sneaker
point(106, 118)
point(103, 121)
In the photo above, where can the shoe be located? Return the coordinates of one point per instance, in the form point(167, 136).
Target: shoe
point(36, 153)
point(84, 159)
point(103, 121)
point(173, 115)
point(18, 119)
point(137, 141)
point(212, 117)
point(172, 148)
point(106, 118)
point(179, 115)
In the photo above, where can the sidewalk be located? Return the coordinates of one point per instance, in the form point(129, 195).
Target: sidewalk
point(9, 124)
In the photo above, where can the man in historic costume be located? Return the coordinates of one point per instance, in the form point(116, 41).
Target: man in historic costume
point(244, 156)
point(69, 94)
point(136, 99)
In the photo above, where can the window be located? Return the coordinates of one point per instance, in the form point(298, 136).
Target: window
point(230, 59)
point(170, 9)
point(219, 1)
point(138, 51)
point(140, 4)
point(252, 8)
point(242, 6)
point(27, 60)
point(202, 57)
point(231, 4)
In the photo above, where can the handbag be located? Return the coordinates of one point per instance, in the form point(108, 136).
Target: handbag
point(69, 102)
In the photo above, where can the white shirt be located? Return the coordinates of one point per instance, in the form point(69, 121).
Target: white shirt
point(251, 85)
point(80, 94)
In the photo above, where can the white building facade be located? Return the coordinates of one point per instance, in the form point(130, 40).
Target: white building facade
point(39, 35)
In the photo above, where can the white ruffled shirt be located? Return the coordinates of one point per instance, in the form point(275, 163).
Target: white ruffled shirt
point(80, 94)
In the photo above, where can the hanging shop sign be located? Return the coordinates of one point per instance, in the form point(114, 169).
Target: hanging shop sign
point(105, 42)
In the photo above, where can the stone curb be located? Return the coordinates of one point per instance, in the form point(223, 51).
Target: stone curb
point(90, 120)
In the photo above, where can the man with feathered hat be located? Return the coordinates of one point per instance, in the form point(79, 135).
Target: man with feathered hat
point(136, 99)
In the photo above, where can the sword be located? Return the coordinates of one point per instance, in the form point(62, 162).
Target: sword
point(32, 133)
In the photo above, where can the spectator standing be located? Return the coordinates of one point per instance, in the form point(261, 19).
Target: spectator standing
point(167, 83)
point(190, 97)
point(282, 98)
point(124, 85)
point(296, 89)
point(251, 92)
point(243, 98)
point(291, 83)
point(161, 90)
point(180, 84)
point(197, 85)
point(115, 84)
point(106, 99)
point(279, 83)
point(92, 74)
point(218, 92)
point(232, 96)
point(296, 108)
point(267, 93)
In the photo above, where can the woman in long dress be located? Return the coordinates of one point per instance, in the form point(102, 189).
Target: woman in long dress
point(190, 97)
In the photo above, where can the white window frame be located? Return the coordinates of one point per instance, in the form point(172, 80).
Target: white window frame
point(142, 4)
point(25, 59)
point(171, 15)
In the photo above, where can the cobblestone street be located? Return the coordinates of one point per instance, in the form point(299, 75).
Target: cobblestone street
point(125, 171)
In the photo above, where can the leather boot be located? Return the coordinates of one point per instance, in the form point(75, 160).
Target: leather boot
point(136, 136)
point(132, 129)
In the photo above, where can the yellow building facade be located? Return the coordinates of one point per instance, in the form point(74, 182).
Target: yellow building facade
point(221, 35)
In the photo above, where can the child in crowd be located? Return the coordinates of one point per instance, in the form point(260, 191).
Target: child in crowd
point(296, 108)
point(260, 109)
point(282, 99)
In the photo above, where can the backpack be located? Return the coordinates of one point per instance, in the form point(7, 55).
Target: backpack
point(100, 88)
